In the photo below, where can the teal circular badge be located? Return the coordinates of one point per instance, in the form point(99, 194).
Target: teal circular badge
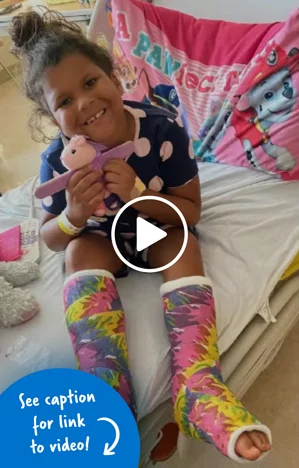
point(62, 417)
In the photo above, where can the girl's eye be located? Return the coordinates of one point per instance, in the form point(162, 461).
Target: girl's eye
point(65, 102)
point(90, 83)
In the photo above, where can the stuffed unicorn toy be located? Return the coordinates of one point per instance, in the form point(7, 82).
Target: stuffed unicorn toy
point(79, 153)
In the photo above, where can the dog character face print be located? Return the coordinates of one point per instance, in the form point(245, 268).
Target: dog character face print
point(161, 95)
point(274, 99)
point(268, 102)
point(125, 72)
point(128, 78)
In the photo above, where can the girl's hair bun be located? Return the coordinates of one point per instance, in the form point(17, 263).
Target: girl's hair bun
point(26, 29)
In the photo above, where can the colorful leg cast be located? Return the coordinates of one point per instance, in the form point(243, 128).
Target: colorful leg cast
point(204, 406)
point(96, 324)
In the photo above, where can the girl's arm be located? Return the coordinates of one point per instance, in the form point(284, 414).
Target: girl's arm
point(54, 238)
point(83, 194)
point(186, 198)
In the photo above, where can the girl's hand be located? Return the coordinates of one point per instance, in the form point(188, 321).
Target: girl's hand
point(84, 194)
point(120, 178)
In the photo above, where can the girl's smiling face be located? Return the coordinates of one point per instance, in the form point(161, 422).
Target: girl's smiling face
point(84, 100)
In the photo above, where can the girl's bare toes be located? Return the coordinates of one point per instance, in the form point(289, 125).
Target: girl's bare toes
point(260, 440)
point(246, 448)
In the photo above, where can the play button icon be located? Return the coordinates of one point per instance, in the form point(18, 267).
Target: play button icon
point(147, 234)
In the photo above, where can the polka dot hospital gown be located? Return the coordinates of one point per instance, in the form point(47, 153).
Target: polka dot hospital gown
point(163, 159)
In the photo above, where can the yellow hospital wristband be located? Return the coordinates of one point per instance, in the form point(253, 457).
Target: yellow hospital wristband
point(138, 188)
point(67, 227)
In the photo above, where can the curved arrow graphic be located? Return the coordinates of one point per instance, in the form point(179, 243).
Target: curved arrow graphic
point(107, 449)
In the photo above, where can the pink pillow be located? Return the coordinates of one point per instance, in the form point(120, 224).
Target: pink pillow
point(204, 70)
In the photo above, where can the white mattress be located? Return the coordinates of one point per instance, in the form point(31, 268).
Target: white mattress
point(249, 233)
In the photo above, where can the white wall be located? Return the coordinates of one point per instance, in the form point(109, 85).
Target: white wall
point(247, 11)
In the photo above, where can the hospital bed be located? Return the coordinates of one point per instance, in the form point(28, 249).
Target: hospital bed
point(250, 254)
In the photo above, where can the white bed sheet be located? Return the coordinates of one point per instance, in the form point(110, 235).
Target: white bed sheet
point(249, 233)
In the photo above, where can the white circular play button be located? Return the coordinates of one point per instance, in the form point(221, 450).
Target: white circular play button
point(147, 234)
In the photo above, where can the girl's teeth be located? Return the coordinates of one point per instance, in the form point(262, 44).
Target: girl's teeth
point(97, 116)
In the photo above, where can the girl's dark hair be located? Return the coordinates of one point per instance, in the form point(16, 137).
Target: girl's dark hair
point(42, 41)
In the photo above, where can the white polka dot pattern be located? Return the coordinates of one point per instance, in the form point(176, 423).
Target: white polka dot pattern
point(139, 113)
point(97, 219)
point(127, 235)
point(142, 147)
point(114, 206)
point(166, 150)
point(111, 212)
point(99, 232)
point(48, 201)
point(144, 255)
point(156, 184)
point(191, 150)
point(179, 122)
point(128, 248)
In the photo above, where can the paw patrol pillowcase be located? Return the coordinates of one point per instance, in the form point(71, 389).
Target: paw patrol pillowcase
point(179, 62)
point(234, 85)
point(259, 121)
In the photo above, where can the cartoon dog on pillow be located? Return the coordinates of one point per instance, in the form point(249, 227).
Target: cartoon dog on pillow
point(269, 101)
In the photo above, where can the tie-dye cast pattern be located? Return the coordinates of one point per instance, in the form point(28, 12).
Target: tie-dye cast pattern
point(96, 324)
point(204, 406)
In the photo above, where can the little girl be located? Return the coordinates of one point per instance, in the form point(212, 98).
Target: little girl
point(72, 81)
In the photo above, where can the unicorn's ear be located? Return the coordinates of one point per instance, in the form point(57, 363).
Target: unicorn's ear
point(79, 140)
